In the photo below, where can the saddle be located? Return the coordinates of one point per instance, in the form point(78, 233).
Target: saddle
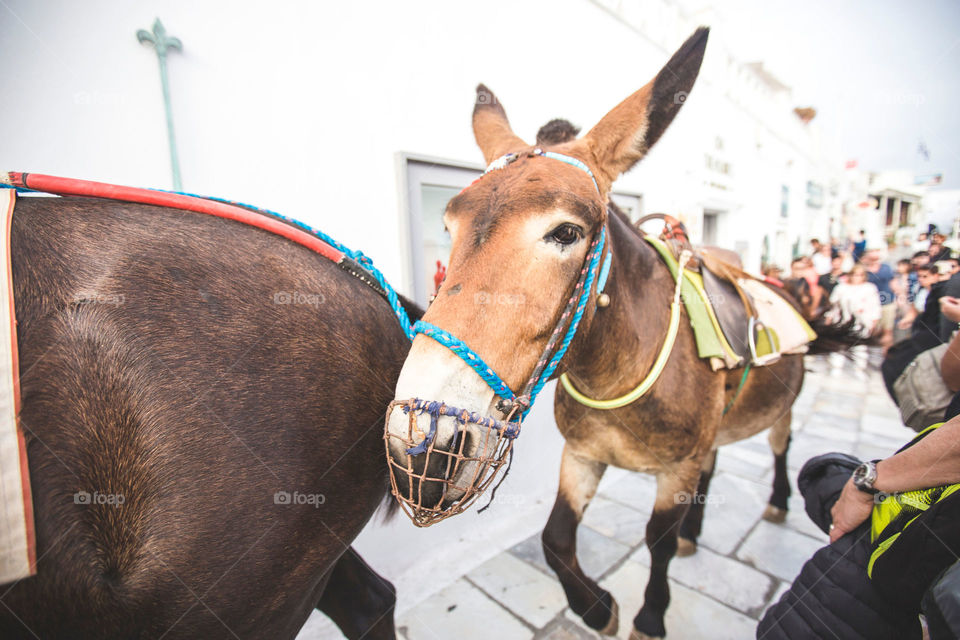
point(730, 305)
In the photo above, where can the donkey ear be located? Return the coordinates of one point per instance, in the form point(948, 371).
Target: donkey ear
point(491, 128)
point(625, 134)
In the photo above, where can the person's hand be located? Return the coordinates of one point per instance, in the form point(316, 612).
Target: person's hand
point(853, 507)
point(950, 308)
point(905, 323)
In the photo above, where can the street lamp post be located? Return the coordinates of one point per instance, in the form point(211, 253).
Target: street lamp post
point(161, 43)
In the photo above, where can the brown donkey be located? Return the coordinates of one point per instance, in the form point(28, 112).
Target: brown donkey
point(523, 233)
point(208, 372)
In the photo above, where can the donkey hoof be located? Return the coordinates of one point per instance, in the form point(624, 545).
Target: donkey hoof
point(614, 624)
point(686, 547)
point(774, 514)
point(639, 635)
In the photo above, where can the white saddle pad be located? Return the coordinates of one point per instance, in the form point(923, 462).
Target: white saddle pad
point(17, 543)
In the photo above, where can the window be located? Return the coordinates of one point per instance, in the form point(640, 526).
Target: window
point(814, 195)
point(630, 203)
point(430, 186)
point(710, 223)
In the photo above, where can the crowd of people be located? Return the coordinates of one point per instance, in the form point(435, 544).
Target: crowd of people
point(894, 524)
point(851, 282)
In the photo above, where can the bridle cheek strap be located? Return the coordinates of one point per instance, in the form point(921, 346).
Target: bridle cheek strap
point(556, 347)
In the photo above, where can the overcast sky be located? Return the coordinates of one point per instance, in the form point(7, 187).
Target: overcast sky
point(883, 75)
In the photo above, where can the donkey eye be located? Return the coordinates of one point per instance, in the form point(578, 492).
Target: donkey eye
point(566, 234)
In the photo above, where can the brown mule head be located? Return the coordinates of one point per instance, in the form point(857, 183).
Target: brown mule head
point(520, 236)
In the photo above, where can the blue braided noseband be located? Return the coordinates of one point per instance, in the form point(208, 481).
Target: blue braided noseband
point(466, 354)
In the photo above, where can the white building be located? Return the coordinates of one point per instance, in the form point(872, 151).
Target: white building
point(355, 117)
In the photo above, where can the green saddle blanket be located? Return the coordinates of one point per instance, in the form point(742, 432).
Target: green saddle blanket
point(711, 342)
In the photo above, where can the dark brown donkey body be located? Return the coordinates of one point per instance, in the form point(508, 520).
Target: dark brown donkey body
point(226, 385)
point(522, 232)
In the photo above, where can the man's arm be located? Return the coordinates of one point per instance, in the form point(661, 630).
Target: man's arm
point(932, 462)
point(951, 289)
point(950, 364)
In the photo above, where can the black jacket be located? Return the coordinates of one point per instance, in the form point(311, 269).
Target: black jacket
point(951, 288)
point(833, 597)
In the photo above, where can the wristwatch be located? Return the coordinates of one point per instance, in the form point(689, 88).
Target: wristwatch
point(864, 476)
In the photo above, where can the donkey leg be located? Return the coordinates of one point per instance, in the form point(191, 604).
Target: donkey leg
point(578, 483)
point(693, 522)
point(358, 600)
point(662, 529)
point(779, 437)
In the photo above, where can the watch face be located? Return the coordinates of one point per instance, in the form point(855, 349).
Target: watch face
point(864, 476)
point(860, 473)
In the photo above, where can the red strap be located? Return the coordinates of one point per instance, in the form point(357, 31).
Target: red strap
point(73, 187)
point(438, 278)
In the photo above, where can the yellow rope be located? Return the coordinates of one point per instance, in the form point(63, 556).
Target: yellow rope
point(658, 365)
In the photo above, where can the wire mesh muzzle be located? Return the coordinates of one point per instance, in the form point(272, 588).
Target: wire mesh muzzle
point(432, 484)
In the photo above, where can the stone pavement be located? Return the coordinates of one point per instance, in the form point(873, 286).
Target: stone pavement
point(743, 563)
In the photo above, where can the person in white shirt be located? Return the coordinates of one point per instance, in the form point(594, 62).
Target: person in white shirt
point(857, 299)
point(821, 260)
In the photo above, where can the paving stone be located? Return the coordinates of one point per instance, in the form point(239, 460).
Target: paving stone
point(596, 553)
point(319, 627)
point(885, 425)
point(838, 434)
point(617, 521)
point(777, 550)
point(831, 408)
point(810, 446)
point(832, 420)
point(725, 579)
point(564, 628)
point(775, 598)
point(886, 442)
point(517, 586)
point(756, 458)
point(734, 506)
point(636, 490)
point(869, 451)
point(798, 520)
point(737, 466)
point(843, 393)
point(531, 551)
point(757, 444)
point(460, 611)
point(691, 615)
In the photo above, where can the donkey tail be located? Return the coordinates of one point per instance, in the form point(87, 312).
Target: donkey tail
point(837, 337)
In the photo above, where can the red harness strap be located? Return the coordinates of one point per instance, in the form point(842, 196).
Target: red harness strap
point(73, 187)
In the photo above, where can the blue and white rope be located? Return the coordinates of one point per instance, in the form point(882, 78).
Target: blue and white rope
point(504, 160)
point(468, 355)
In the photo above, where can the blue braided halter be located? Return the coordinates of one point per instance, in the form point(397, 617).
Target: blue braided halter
point(573, 312)
point(505, 160)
